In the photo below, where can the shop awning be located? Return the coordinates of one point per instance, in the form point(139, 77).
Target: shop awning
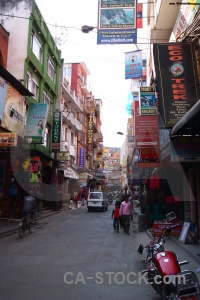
point(189, 124)
point(70, 173)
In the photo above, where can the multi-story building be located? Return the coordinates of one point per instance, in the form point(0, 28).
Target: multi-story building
point(34, 59)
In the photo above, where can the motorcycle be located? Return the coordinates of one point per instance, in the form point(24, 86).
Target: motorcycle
point(164, 272)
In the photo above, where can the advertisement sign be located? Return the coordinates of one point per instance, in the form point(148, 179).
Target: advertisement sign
point(3, 91)
point(56, 131)
point(133, 64)
point(177, 81)
point(63, 156)
point(82, 158)
point(36, 122)
point(14, 111)
point(90, 133)
point(146, 130)
point(147, 101)
point(8, 139)
point(117, 22)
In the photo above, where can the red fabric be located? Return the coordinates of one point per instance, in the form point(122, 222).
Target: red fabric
point(173, 200)
point(116, 213)
point(154, 181)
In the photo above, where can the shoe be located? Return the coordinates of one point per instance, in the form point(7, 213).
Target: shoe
point(117, 231)
point(127, 232)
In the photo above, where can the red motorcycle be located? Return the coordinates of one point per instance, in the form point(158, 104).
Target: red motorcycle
point(164, 272)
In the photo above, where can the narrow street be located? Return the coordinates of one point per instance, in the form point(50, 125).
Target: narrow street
point(74, 255)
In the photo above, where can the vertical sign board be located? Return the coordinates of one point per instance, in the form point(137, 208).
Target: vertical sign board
point(139, 15)
point(117, 22)
point(3, 91)
point(177, 81)
point(133, 64)
point(82, 158)
point(90, 134)
point(56, 131)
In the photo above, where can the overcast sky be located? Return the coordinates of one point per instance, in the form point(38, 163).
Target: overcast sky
point(104, 62)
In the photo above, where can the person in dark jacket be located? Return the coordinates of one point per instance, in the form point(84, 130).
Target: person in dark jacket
point(29, 205)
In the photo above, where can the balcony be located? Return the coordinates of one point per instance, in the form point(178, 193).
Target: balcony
point(69, 96)
point(162, 26)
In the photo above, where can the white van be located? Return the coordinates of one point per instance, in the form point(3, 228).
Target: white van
point(97, 200)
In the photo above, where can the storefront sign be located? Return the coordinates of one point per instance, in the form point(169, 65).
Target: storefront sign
point(63, 156)
point(177, 81)
point(36, 122)
point(8, 139)
point(160, 225)
point(147, 101)
point(56, 131)
point(146, 130)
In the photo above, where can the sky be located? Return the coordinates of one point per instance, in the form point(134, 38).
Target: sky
point(104, 62)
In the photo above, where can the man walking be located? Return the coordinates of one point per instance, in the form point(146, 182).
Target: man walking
point(125, 212)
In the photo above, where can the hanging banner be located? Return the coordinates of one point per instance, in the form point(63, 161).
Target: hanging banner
point(147, 101)
point(117, 22)
point(35, 123)
point(3, 91)
point(81, 158)
point(133, 64)
point(177, 81)
point(56, 131)
point(139, 16)
point(90, 134)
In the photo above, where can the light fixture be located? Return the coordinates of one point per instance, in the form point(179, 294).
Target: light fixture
point(87, 28)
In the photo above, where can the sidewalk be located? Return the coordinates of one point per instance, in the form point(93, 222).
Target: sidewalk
point(8, 226)
point(191, 250)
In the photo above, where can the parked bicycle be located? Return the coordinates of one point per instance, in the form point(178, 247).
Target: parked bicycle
point(28, 222)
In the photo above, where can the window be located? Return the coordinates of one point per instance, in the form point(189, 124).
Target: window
point(72, 139)
point(33, 85)
point(46, 138)
point(82, 138)
point(47, 99)
point(51, 69)
point(36, 46)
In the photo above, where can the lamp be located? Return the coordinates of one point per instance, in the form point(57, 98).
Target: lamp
point(121, 133)
point(87, 28)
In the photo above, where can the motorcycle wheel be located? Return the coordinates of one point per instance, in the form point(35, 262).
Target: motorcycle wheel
point(170, 297)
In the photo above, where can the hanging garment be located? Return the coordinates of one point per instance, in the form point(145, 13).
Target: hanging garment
point(35, 177)
point(25, 164)
point(154, 181)
point(35, 165)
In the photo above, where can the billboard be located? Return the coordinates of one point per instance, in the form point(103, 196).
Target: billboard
point(176, 79)
point(36, 123)
point(117, 22)
point(133, 64)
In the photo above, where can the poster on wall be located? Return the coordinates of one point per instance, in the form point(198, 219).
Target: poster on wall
point(3, 91)
point(177, 81)
point(36, 123)
point(147, 101)
point(117, 22)
point(14, 111)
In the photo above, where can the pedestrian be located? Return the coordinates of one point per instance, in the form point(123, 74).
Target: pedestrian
point(130, 199)
point(125, 213)
point(116, 218)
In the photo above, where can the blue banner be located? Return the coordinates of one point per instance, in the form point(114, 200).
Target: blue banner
point(133, 64)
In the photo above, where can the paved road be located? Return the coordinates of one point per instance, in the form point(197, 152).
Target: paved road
point(74, 255)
